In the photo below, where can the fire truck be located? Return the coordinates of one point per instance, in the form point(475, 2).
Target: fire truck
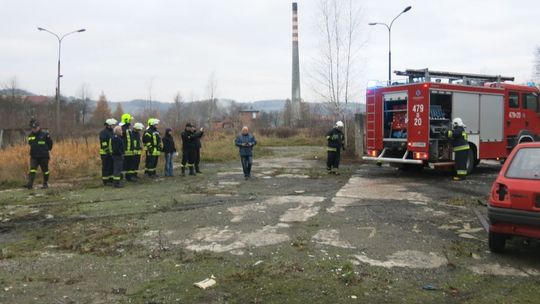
point(406, 123)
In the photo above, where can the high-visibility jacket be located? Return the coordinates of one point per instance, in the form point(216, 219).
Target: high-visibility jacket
point(40, 144)
point(105, 141)
point(336, 140)
point(152, 141)
point(459, 139)
point(128, 141)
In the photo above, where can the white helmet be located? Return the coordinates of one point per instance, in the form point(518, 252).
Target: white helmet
point(155, 122)
point(339, 124)
point(138, 126)
point(458, 122)
point(111, 122)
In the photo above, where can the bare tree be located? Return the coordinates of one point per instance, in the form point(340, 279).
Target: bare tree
point(335, 67)
point(84, 95)
point(211, 91)
point(177, 109)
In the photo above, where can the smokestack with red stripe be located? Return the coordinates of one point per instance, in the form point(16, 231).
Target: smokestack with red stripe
point(295, 97)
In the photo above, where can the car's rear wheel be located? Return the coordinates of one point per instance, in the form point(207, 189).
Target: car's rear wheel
point(496, 242)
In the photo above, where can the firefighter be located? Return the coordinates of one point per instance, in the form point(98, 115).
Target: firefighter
point(460, 144)
point(189, 149)
point(105, 138)
point(197, 157)
point(336, 142)
point(127, 135)
point(40, 144)
point(118, 150)
point(137, 149)
point(152, 142)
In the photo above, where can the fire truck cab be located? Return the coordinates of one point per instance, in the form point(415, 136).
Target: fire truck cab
point(407, 123)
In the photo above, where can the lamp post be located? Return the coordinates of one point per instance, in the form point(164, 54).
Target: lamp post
point(389, 27)
point(59, 75)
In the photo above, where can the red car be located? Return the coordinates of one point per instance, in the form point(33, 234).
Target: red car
point(514, 203)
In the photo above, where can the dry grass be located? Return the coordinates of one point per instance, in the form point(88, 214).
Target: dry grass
point(75, 158)
point(69, 158)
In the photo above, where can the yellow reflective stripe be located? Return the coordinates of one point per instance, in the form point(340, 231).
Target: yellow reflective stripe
point(461, 148)
point(461, 172)
point(465, 136)
point(128, 138)
point(104, 143)
point(154, 138)
point(46, 173)
point(450, 133)
point(33, 171)
point(41, 142)
point(331, 149)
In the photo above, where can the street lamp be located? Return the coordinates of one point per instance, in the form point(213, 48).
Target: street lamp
point(59, 75)
point(389, 27)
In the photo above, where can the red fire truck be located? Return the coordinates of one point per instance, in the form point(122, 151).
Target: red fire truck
point(406, 123)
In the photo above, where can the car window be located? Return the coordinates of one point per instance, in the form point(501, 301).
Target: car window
point(525, 164)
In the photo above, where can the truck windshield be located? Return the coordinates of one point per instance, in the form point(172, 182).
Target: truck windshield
point(525, 164)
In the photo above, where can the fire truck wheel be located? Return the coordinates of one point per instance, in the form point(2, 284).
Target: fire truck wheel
point(496, 242)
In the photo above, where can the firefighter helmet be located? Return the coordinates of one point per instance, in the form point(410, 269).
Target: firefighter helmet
point(339, 124)
point(110, 122)
point(126, 118)
point(457, 122)
point(138, 126)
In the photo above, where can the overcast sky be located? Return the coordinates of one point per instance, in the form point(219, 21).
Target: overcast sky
point(175, 45)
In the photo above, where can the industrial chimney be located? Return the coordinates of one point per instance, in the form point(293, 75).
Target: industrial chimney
point(295, 96)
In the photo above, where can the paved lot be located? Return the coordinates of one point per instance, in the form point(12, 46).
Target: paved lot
point(291, 234)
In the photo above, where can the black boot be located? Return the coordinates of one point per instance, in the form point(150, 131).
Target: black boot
point(30, 183)
point(118, 184)
point(183, 171)
point(192, 171)
point(197, 168)
point(45, 181)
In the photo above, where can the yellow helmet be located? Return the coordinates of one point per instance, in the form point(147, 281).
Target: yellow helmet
point(126, 118)
point(150, 121)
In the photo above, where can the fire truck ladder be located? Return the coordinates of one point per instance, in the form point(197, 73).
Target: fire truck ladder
point(469, 79)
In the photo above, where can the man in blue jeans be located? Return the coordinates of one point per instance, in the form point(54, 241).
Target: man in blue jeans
point(245, 142)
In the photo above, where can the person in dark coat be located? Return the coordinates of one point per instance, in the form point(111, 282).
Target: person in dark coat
point(118, 150)
point(152, 141)
point(169, 148)
point(336, 142)
point(40, 144)
point(137, 149)
point(245, 143)
point(196, 162)
point(461, 147)
point(189, 148)
point(105, 151)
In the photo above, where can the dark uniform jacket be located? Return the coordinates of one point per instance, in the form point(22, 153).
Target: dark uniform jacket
point(459, 138)
point(136, 142)
point(152, 141)
point(168, 144)
point(105, 138)
point(118, 148)
point(40, 144)
point(336, 140)
point(198, 135)
point(189, 140)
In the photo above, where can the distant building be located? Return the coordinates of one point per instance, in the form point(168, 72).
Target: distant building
point(248, 117)
point(222, 124)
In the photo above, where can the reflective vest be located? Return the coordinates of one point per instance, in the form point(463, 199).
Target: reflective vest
point(152, 141)
point(105, 141)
